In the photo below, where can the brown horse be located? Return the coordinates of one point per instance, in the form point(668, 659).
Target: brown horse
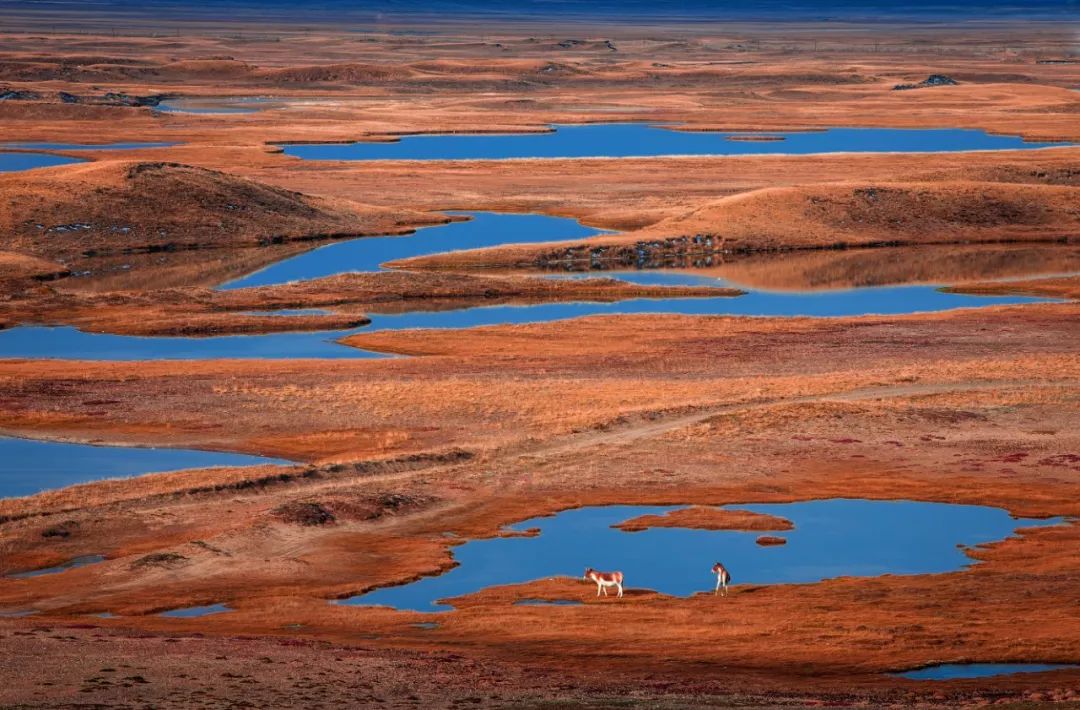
point(604, 580)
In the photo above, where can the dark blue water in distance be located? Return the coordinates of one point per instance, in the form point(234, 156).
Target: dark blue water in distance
point(626, 140)
point(14, 162)
point(832, 538)
point(950, 671)
point(28, 466)
point(338, 12)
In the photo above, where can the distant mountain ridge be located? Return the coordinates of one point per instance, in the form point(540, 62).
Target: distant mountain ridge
point(611, 10)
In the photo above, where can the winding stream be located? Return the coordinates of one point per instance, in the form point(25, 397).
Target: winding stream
point(368, 254)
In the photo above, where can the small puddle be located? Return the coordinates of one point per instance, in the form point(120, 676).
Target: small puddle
point(17, 613)
point(626, 140)
point(832, 538)
point(70, 564)
point(288, 312)
point(952, 671)
point(28, 466)
point(193, 612)
point(426, 625)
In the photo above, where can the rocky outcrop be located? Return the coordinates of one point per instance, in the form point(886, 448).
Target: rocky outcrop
point(932, 80)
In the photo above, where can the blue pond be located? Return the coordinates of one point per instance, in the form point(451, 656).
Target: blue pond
point(70, 564)
point(28, 466)
point(73, 344)
point(951, 671)
point(624, 140)
point(14, 162)
point(832, 538)
point(192, 612)
point(484, 229)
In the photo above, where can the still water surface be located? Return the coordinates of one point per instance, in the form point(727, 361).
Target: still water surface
point(950, 671)
point(28, 466)
point(832, 538)
point(626, 140)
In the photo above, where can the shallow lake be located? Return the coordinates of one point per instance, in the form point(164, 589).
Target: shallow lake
point(368, 254)
point(14, 162)
point(832, 538)
point(625, 140)
point(73, 344)
point(70, 343)
point(28, 466)
point(950, 671)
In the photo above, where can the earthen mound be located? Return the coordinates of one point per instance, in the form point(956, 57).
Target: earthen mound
point(123, 207)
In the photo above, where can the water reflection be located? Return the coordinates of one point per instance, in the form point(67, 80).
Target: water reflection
point(832, 538)
point(622, 140)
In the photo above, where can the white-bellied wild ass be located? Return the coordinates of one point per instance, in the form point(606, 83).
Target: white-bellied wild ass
point(604, 580)
point(723, 577)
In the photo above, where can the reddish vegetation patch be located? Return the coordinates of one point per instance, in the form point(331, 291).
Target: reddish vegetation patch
point(706, 518)
point(765, 540)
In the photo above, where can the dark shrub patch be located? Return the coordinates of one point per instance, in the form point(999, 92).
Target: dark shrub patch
point(61, 530)
point(304, 514)
point(159, 559)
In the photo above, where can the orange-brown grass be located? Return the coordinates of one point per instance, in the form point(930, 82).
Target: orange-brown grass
point(828, 216)
point(201, 311)
point(1065, 287)
point(702, 518)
